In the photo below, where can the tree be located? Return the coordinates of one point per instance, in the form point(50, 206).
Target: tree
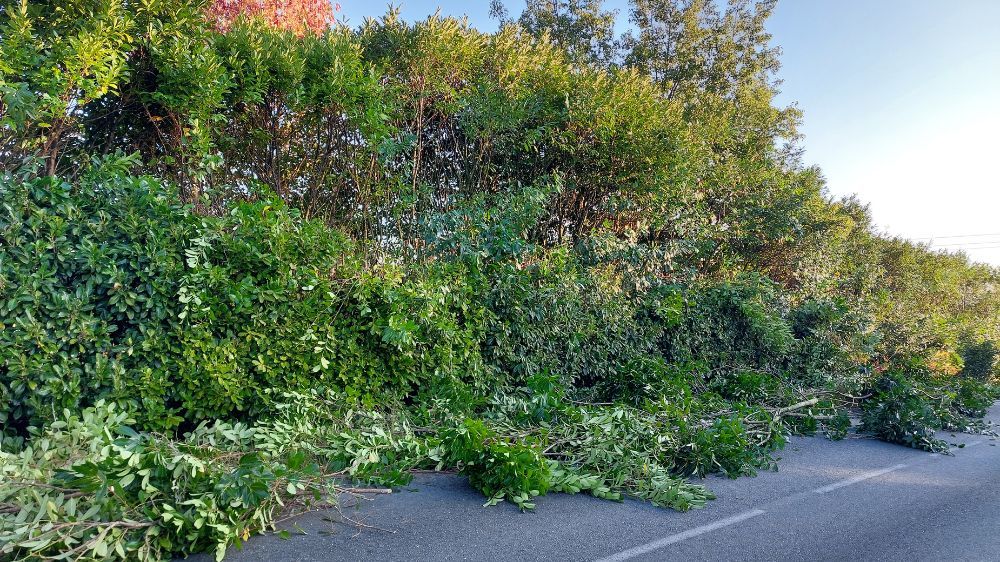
point(714, 61)
point(667, 45)
point(298, 16)
point(581, 27)
point(685, 44)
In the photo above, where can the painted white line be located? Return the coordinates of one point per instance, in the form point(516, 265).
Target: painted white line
point(858, 478)
point(952, 450)
point(691, 533)
point(672, 539)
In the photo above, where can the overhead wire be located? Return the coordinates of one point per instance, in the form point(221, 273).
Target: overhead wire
point(966, 248)
point(958, 236)
point(961, 244)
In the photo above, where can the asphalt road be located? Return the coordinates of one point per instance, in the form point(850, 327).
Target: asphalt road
point(857, 499)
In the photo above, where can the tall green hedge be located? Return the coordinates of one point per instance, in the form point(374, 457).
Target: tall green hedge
point(112, 288)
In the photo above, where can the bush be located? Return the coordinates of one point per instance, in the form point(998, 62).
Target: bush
point(750, 387)
point(89, 276)
point(648, 377)
point(277, 302)
point(832, 344)
point(257, 304)
point(973, 398)
point(732, 325)
point(980, 360)
point(115, 290)
point(553, 315)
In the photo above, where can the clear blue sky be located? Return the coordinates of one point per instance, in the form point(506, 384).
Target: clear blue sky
point(901, 102)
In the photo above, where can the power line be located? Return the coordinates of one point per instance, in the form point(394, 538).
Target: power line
point(958, 236)
point(970, 248)
point(965, 244)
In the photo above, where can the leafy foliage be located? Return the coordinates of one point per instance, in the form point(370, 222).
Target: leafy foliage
point(115, 290)
point(91, 486)
point(548, 258)
point(579, 27)
point(979, 360)
point(88, 277)
point(497, 466)
point(910, 410)
point(899, 414)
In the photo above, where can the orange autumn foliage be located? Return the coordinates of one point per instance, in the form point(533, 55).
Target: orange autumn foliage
point(297, 16)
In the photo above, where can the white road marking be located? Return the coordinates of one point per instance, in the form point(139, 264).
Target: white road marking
point(691, 533)
point(673, 539)
point(858, 478)
point(952, 450)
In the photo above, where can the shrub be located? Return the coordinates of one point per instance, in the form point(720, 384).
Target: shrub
point(648, 377)
point(89, 276)
point(750, 387)
point(277, 302)
point(732, 325)
point(115, 290)
point(832, 344)
point(553, 315)
point(980, 360)
point(973, 398)
point(257, 307)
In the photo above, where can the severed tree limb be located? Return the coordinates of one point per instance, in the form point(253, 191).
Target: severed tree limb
point(817, 417)
point(804, 404)
point(368, 490)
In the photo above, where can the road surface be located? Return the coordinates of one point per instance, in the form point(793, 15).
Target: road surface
point(857, 499)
